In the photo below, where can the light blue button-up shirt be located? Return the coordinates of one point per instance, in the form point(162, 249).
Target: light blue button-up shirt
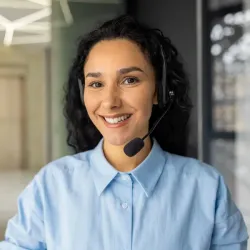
point(168, 202)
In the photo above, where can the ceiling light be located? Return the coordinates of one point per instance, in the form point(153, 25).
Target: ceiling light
point(24, 21)
point(4, 21)
point(17, 4)
point(32, 18)
point(8, 36)
point(66, 11)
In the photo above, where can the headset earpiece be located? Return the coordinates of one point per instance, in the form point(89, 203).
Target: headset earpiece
point(163, 86)
point(163, 82)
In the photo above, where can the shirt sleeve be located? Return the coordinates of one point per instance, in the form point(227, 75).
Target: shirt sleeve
point(230, 232)
point(25, 231)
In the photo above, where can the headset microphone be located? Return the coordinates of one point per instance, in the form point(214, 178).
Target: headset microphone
point(134, 146)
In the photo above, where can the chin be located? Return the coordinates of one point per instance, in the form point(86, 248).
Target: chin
point(117, 140)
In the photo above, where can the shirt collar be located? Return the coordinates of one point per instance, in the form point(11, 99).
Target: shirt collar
point(146, 174)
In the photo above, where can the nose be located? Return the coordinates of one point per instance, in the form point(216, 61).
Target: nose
point(111, 98)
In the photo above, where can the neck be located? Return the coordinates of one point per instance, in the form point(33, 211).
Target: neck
point(120, 161)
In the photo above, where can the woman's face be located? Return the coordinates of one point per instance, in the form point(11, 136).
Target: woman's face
point(119, 90)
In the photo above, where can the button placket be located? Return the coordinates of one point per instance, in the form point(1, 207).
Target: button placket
point(124, 206)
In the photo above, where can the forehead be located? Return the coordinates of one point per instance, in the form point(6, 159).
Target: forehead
point(117, 53)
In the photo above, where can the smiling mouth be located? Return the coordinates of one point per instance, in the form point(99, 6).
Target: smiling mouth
point(117, 120)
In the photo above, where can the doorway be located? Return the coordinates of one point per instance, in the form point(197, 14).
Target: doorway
point(12, 120)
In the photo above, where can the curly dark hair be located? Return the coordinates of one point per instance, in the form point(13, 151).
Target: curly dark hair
point(170, 133)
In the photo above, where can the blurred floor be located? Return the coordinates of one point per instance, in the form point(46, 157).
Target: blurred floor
point(11, 185)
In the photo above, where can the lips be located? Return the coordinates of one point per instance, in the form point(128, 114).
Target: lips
point(116, 116)
point(116, 121)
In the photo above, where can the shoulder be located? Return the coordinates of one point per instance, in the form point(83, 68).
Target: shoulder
point(63, 169)
point(213, 195)
point(56, 181)
point(194, 169)
point(195, 177)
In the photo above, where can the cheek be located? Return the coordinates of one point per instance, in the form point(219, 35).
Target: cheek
point(143, 102)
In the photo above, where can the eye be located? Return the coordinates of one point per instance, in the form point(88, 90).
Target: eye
point(131, 80)
point(95, 85)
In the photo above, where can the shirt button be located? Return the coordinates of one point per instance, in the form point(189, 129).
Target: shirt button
point(125, 178)
point(125, 205)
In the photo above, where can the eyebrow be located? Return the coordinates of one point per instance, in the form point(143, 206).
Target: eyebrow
point(130, 69)
point(121, 71)
point(93, 74)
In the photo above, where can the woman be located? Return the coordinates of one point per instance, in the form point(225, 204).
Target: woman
point(124, 77)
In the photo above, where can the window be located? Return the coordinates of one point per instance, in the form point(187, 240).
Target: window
point(229, 97)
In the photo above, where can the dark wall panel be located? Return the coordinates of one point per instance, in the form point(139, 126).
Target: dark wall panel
point(177, 20)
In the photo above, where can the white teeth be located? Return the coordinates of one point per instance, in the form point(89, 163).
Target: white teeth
point(117, 119)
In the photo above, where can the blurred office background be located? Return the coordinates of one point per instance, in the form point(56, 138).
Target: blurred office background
point(37, 42)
